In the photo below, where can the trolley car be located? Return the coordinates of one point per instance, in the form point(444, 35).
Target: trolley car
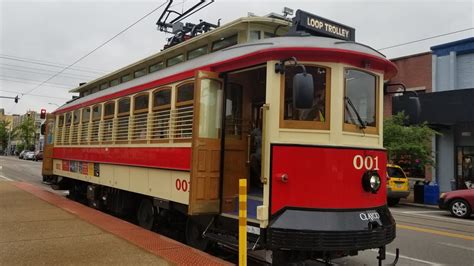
point(295, 106)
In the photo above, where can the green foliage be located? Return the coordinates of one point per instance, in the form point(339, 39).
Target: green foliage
point(4, 133)
point(26, 132)
point(409, 146)
point(20, 147)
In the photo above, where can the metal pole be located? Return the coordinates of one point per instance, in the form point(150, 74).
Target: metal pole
point(243, 222)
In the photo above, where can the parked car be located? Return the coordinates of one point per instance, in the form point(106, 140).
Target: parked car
point(29, 155)
point(22, 154)
point(458, 202)
point(39, 155)
point(397, 184)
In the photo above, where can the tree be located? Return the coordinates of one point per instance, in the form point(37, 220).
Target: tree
point(408, 146)
point(26, 132)
point(4, 132)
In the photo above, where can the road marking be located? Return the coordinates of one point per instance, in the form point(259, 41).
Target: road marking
point(414, 259)
point(6, 178)
point(456, 246)
point(409, 258)
point(435, 232)
point(418, 212)
point(449, 219)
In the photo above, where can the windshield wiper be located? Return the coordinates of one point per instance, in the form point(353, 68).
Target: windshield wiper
point(361, 122)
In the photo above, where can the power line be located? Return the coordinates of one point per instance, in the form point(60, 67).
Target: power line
point(39, 73)
point(50, 65)
point(33, 80)
point(33, 83)
point(424, 39)
point(32, 60)
point(97, 48)
point(36, 95)
point(48, 70)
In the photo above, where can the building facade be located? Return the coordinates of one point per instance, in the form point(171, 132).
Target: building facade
point(448, 107)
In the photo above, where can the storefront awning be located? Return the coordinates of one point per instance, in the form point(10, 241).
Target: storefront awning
point(440, 108)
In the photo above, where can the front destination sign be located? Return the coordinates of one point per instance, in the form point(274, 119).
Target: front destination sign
point(315, 25)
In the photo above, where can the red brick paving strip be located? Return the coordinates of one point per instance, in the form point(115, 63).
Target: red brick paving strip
point(168, 249)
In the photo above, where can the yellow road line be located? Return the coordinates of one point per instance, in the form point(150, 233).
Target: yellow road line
point(435, 232)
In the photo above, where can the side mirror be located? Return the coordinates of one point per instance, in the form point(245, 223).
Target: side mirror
point(43, 129)
point(303, 91)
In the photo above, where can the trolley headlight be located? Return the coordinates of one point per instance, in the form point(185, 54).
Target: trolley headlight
point(371, 181)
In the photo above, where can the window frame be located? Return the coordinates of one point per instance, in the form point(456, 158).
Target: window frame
point(109, 116)
point(222, 39)
point(143, 110)
point(66, 118)
point(82, 114)
point(195, 49)
point(63, 116)
point(188, 102)
point(119, 114)
point(79, 112)
point(173, 57)
point(162, 107)
point(140, 72)
point(299, 124)
point(347, 127)
point(100, 112)
point(157, 64)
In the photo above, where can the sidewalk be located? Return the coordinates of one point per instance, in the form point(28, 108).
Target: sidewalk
point(40, 227)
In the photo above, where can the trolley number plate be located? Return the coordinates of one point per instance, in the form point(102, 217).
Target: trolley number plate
point(367, 163)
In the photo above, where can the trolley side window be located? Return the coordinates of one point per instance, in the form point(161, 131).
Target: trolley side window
point(96, 114)
point(140, 116)
point(184, 111)
point(109, 110)
point(76, 117)
point(86, 116)
point(123, 119)
point(316, 117)
point(360, 101)
point(161, 113)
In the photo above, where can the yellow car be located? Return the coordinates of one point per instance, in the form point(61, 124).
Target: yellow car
point(397, 184)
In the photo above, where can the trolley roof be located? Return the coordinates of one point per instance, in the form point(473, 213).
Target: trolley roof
point(304, 48)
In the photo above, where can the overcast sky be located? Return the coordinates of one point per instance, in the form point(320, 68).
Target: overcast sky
point(54, 34)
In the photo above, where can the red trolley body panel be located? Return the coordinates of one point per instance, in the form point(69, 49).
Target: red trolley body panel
point(324, 177)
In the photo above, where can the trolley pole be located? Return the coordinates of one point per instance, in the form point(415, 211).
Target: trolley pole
point(243, 222)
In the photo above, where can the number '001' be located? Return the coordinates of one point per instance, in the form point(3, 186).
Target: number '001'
point(368, 162)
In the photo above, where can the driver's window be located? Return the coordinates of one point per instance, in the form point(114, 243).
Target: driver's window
point(360, 101)
point(316, 117)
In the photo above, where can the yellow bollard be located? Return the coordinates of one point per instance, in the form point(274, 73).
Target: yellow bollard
point(242, 222)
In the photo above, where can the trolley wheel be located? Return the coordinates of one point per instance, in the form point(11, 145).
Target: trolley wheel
point(460, 208)
point(146, 214)
point(393, 201)
point(194, 238)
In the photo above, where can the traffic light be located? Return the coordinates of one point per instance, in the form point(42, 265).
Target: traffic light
point(16, 99)
point(43, 114)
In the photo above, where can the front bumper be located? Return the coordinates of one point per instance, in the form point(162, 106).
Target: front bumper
point(331, 230)
point(442, 204)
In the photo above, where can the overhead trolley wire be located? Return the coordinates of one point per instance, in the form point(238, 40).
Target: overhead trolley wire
point(424, 39)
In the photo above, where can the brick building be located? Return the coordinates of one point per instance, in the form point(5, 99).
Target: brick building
point(447, 106)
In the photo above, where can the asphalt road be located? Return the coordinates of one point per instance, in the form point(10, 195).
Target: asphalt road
point(425, 236)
